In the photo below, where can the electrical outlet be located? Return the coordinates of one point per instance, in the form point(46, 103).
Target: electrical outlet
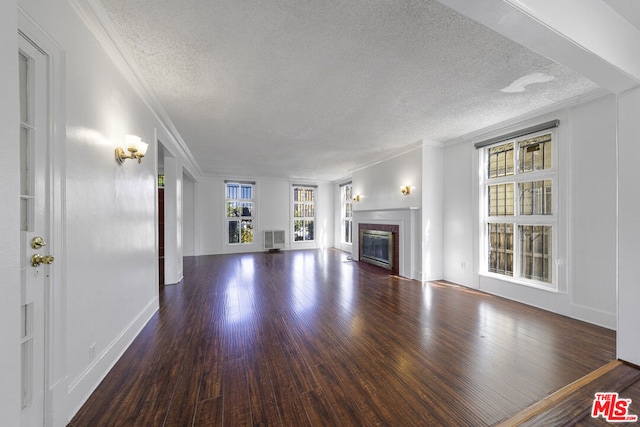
point(92, 350)
point(463, 265)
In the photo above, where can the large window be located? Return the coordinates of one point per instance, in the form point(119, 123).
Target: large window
point(519, 208)
point(304, 213)
point(240, 215)
point(346, 212)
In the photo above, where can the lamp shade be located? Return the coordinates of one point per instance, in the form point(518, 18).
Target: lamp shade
point(133, 143)
point(142, 148)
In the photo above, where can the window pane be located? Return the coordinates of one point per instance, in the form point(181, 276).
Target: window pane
point(24, 162)
point(535, 197)
point(347, 231)
point(241, 231)
point(500, 199)
point(298, 230)
point(247, 231)
point(23, 67)
point(232, 191)
point(501, 160)
point(500, 248)
point(303, 230)
point(303, 194)
point(245, 208)
point(347, 193)
point(246, 192)
point(535, 252)
point(234, 231)
point(233, 209)
point(309, 235)
point(24, 214)
point(535, 154)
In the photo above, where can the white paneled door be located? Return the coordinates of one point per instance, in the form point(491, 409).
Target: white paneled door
point(35, 257)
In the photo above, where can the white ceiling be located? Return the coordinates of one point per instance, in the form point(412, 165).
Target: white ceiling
point(316, 89)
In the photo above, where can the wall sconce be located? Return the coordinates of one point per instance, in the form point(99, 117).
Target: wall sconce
point(136, 148)
point(406, 190)
point(356, 198)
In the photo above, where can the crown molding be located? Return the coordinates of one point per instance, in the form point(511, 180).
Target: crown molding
point(412, 147)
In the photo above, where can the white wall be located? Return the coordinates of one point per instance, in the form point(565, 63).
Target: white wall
point(460, 216)
point(379, 185)
point(432, 212)
point(629, 227)
point(273, 212)
point(110, 260)
point(10, 224)
point(189, 216)
point(593, 212)
point(587, 290)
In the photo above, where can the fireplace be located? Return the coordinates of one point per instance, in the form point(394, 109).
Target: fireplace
point(376, 247)
point(379, 245)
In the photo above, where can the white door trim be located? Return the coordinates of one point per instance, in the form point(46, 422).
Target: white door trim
point(55, 407)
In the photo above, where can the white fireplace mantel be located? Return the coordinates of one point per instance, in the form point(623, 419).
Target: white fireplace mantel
point(408, 221)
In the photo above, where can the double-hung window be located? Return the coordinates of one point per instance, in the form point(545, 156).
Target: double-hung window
point(240, 215)
point(346, 212)
point(519, 205)
point(304, 213)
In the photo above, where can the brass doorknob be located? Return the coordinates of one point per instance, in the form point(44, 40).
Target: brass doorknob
point(37, 259)
point(37, 242)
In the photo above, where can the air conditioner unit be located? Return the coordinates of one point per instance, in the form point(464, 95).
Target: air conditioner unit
point(274, 239)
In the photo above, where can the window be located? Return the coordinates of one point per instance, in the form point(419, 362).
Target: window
point(346, 212)
point(240, 215)
point(519, 214)
point(304, 213)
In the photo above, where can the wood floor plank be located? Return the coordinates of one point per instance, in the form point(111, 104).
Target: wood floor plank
point(264, 406)
point(209, 412)
point(576, 406)
point(236, 404)
point(309, 338)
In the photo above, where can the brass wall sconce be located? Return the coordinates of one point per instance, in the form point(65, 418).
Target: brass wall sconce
point(135, 147)
point(356, 198)
point(406, 190)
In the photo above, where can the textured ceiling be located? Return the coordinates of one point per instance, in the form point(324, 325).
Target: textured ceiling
point(316, 89)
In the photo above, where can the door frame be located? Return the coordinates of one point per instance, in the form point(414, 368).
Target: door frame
point(55, 375)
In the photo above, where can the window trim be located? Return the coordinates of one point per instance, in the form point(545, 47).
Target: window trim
point(343, 217)
point(294, 218)
point(518, 219)
point(227, 219)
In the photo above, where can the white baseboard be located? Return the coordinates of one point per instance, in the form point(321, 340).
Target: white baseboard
point(86, 383)
point(597, 317)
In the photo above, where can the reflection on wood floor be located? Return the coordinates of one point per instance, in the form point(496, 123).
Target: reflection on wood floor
point(308, 338)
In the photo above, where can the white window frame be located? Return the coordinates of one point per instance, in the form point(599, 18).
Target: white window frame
point(252, 217)
point(314, 203)
point(346, 201)
point(518, 219)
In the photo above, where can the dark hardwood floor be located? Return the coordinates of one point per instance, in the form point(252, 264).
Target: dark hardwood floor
point(310, 338)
